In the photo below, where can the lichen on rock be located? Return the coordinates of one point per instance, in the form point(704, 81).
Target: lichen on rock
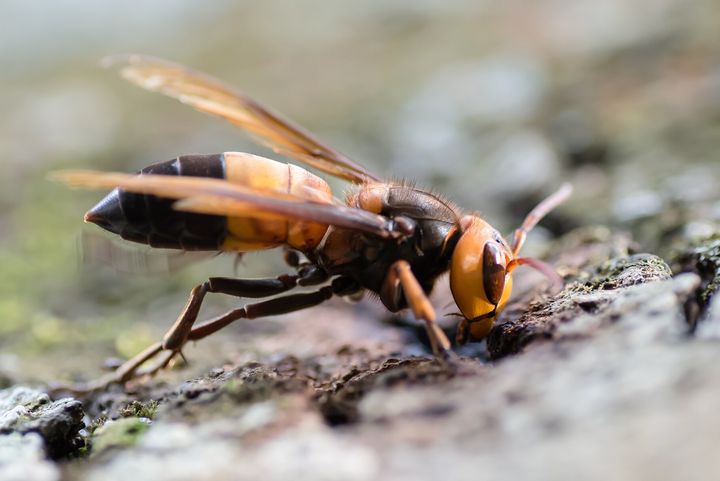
point(590, 296)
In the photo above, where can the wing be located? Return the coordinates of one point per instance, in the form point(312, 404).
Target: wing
point(212, 96)
point(214, 196)
point(99, 249)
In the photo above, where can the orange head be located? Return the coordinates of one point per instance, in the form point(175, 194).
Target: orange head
point(479, 274)
point(482, 263)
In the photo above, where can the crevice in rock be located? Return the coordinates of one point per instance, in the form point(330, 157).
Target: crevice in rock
point(339, 403)
point(702, 258)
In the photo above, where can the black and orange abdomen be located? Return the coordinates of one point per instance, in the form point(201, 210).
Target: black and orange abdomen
point(152, 220)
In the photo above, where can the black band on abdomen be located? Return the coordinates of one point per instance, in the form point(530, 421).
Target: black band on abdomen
point(152, 220)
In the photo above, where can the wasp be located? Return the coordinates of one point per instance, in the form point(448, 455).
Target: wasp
point(390, 238)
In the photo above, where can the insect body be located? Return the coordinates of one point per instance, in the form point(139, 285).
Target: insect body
point(389, 238)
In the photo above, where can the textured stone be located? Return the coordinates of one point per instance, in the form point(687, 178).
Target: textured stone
point(25, 410)
point(591, 296)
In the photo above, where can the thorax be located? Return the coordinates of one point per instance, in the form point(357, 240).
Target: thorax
point(367, 258)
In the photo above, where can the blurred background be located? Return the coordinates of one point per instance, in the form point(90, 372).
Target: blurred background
point(494, 103)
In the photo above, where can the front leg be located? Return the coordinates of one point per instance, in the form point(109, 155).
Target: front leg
point(401, 281)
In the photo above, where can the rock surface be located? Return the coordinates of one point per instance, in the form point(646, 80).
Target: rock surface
point(22, 458)
point(609, 379)
point(24, 410)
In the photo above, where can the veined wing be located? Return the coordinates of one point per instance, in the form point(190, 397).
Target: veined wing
point(215, 196)
point(210, 95)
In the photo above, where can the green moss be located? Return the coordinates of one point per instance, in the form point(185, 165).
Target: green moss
point(97, 424)
point(121, 433)
point(625, 271)
point(140, 409)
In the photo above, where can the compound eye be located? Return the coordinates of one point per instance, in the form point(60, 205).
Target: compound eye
point(493, 272)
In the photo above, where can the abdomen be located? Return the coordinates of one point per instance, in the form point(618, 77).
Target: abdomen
point(152, 220)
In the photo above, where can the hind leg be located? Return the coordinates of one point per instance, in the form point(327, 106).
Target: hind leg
point(184, 330)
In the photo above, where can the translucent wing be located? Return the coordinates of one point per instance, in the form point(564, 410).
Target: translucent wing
point(219, 197)
point(212, 96)
point(98, 249)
